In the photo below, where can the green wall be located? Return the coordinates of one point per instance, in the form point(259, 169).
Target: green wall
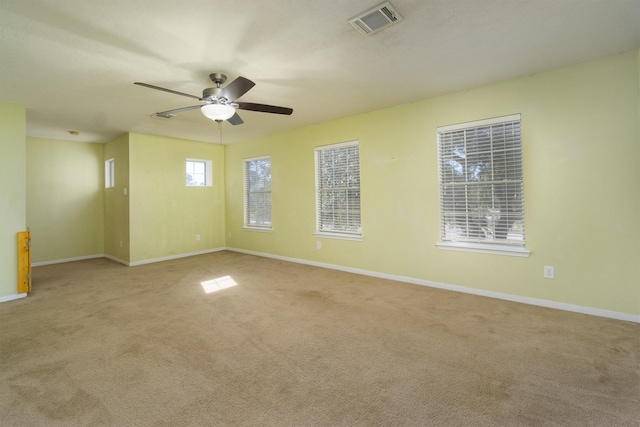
point(116, 201)
point(65, 210)
point(638, 124)
point(13, 197)
point(165, 214)
point(148, 215)
point(582, 188)
point(581, 137)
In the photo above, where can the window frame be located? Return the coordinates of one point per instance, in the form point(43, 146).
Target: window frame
point(481, 245)
point(320, 231)
point(109, 173)
point(208, 172)
point(246, 191)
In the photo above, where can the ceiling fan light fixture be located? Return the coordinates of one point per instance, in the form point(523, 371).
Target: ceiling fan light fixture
point(218, 111)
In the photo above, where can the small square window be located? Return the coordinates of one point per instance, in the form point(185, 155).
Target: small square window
point(199, 173)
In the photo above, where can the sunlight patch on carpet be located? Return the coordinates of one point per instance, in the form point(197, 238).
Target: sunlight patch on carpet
point(215, 285)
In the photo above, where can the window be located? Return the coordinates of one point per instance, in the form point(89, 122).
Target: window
point(338, 190)
point(199, 173)
point(481, 186)
point(257, 193)
point(109, 174)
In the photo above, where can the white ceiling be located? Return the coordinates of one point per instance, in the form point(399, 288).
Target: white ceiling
point(72, 63)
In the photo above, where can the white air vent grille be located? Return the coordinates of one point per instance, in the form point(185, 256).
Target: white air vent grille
point(375, 19)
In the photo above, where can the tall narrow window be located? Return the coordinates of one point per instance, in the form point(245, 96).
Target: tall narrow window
point(338, 190)
point(257, 193)
point(109, 173)
point(199, 173)
point(481, 186)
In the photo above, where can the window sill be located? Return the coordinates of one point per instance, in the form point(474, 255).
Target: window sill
point(339, 236)
point(259, 229)
point(484, 248)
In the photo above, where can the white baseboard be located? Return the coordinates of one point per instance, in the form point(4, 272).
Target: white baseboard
point(12, 297)
point(118, 260)
point(127, 263)
point(498, 295)
point(60, 261)
point(168, 258)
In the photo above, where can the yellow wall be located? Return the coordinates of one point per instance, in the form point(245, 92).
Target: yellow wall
point(64, 199)
point(12, 193)
point(116, 202)
point(637, 262)
point(582, 188)
point(165, 214)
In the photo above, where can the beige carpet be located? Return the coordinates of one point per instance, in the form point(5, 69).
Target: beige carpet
point(97, 343)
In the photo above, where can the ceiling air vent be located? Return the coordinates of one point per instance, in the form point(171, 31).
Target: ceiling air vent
point(375, 19)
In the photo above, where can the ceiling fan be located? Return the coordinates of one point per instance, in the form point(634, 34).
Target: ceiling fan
point(219, 103)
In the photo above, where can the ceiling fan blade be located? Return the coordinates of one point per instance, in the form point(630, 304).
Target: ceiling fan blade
point(166, 90)
point(263, 108)
point(169, 113)
point(236, 88)
point(235, 120)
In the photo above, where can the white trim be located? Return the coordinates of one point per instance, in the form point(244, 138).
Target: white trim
point(208, 171)
point(127, 263)
point(316, 153)
point(12, 297)
point(259, 229)
point(635, 318)
point(484, 248)
point(337, 145)
point(109, 173)
point(250, 159)
point(60, 261)
point(246, 192)
point(478, 123)
point(118, 260)
point(170, 257)
point(340, 236)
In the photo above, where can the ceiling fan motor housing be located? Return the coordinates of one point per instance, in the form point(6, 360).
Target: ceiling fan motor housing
point(211, 94)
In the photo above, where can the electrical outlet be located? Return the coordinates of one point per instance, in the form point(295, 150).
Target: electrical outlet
point(318, 245)
point(549, 272)
point(197, 237)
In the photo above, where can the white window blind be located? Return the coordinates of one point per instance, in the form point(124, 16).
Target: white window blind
point(257, 192)
point(481, 186)
point(338, 189)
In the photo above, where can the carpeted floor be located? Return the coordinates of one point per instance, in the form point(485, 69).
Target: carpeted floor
point(97, 343)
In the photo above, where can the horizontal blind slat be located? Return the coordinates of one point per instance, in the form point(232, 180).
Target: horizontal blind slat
point(481, 186)
point(338, 188)
point(257, 200)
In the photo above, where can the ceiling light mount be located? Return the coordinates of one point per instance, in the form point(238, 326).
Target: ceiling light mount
point(218, 78)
